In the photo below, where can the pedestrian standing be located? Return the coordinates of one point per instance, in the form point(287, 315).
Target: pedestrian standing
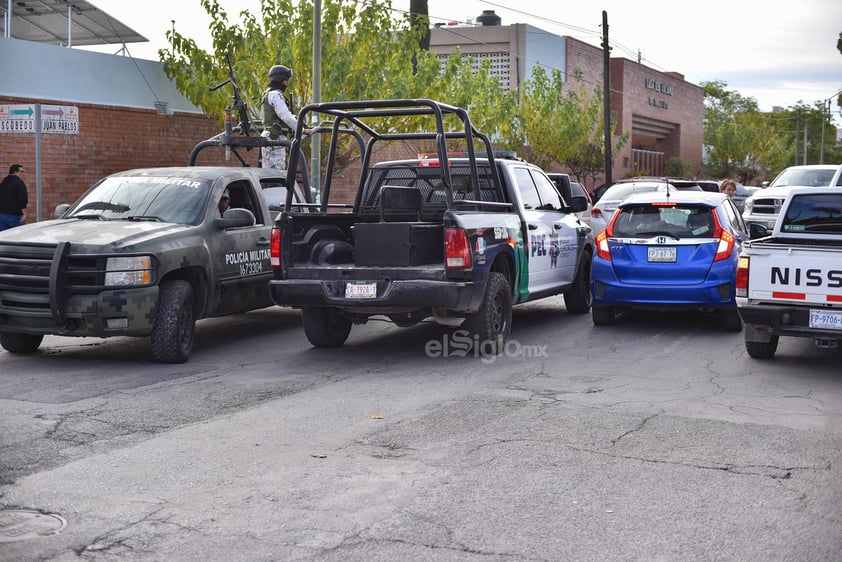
point(278, 120)
point(13, 198)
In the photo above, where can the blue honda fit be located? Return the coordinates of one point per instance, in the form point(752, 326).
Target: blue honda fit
point(669, 251)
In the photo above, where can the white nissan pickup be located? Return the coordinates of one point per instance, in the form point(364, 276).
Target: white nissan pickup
point(789, 283)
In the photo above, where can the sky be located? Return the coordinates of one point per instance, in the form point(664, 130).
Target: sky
point(780, 56)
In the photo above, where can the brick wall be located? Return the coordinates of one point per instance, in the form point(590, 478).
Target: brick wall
point(110, 139)
point(630, 100)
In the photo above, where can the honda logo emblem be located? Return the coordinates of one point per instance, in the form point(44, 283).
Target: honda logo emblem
point(661, 239)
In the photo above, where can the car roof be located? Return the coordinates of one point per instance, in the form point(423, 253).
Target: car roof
point(627, 185)
point(813, 167)
point(203, 172)
point(680, 197)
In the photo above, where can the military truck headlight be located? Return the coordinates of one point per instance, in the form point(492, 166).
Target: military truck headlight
point(127, 271)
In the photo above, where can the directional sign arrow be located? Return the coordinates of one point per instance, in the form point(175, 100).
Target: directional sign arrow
point(57, 112)
point(28, 112)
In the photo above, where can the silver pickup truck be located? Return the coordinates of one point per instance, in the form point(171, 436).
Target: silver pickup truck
point(764, 205)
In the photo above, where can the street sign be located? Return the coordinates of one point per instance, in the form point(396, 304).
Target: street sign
point(17, 119)
point(61, 119)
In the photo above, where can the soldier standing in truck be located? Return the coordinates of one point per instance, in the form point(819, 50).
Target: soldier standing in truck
point(278, 120)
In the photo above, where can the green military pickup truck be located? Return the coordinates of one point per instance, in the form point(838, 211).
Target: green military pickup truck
point(458, 238)
point(143, 252)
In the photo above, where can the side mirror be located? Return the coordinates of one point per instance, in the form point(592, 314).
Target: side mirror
point(757, 231)
point(235, 218)
point(60, 210)
point(578, 203)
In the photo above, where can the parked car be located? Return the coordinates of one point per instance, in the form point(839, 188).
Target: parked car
point(669, 250)
point(604, 208)
point(739, 198)
point(764, 206)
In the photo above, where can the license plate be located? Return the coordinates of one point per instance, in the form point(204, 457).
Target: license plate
point(826, 319)
point(661, 253)
point(360, 290)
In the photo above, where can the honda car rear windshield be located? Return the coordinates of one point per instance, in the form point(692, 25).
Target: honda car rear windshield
point(645, 221)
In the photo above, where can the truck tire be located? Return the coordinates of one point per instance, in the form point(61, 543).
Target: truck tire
point(578, 297)
point(324, 326)
point(762, 349)
point(20, 343)
point(491, 325)
point(175, 324)
point(603, 315)
point(731, 320)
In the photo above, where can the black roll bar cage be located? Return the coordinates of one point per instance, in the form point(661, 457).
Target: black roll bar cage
point(356, 114)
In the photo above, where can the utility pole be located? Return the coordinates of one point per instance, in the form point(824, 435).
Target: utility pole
point(804, 156)
point(824, 118)
point(797, 133)
point(315, 140)
point(606, 81)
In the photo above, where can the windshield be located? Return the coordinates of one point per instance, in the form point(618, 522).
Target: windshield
point(164, 199)
point(810, 177)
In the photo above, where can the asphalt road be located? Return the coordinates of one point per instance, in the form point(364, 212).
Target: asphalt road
point(654, 439)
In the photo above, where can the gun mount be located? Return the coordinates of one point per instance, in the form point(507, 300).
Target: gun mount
point(234, 138)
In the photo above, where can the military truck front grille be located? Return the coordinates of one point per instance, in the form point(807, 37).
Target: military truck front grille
point(26, 268)
point(767, 206)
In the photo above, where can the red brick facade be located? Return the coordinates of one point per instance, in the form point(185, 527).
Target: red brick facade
point(662, 113)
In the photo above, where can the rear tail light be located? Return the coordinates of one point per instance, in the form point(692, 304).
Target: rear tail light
point(602, 245)
point(275, 248)
point(726, 246)
point(457, 251)
point(726, 241)
point(596, 213)
point(742, 277)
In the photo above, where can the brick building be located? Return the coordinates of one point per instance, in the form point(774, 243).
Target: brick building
point(661, 111)
point(98, 113)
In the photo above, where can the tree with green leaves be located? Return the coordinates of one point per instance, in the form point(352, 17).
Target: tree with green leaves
point(741, 142)
point(361, 61)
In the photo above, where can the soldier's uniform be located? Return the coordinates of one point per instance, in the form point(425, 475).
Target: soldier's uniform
point(278, 120)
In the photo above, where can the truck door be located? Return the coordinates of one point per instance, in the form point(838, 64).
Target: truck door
point(544, 231)
point(564, 238)
point(241, 254)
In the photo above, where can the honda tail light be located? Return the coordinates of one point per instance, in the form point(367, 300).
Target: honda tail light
point(602, 245)
point(726, 246)
point(742, 277)
point(726, 241)
point(275, 248)
point(457, 251)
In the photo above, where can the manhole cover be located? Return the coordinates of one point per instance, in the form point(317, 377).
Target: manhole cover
point(20, 525)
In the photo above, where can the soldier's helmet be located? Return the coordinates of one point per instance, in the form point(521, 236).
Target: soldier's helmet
point(279, 72)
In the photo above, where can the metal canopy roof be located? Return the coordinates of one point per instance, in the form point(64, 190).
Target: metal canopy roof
point(48, 21)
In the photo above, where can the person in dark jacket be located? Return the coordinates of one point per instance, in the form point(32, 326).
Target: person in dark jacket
point(13, 198)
